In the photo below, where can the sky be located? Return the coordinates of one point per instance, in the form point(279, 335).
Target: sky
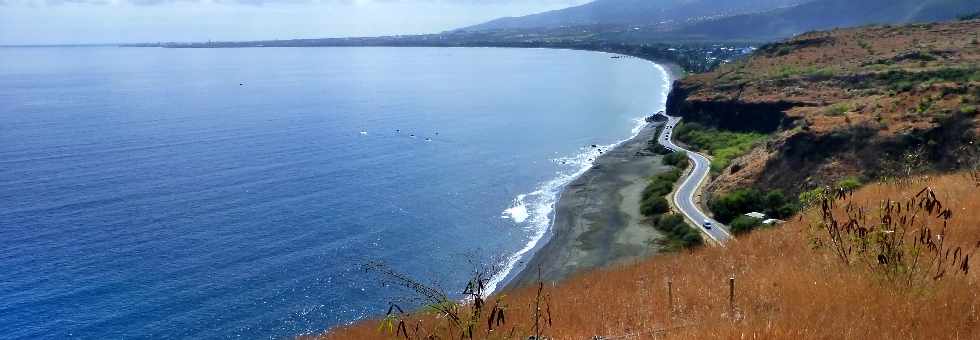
point(125, 21)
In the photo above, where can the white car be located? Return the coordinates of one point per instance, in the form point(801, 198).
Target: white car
point(707, 225)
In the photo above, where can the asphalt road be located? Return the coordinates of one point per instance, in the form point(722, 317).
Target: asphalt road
point(684, 196)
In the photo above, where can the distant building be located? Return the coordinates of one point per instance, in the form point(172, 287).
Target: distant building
point(756, 215)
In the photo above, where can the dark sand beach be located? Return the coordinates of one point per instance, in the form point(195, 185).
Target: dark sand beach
point(597, 218)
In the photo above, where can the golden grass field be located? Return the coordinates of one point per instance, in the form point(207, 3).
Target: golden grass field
point(786, 288)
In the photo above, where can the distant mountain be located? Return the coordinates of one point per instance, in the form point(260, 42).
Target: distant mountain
point(827, 14)
point(634, 12)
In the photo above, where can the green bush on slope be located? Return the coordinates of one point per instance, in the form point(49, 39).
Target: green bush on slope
point(723, 146)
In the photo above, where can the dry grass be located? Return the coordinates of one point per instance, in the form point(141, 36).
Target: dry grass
point(785, 289)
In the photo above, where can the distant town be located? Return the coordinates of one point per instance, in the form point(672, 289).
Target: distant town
point(640, 41)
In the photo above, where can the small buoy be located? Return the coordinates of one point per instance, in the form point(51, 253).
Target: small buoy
point(364, 133)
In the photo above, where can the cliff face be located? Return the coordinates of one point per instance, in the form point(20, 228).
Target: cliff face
point(739, 115)
point(868, 102)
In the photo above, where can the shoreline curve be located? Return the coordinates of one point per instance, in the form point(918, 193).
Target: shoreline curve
point(542, 247)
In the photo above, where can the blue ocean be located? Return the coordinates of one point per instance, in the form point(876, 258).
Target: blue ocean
point(236, 193)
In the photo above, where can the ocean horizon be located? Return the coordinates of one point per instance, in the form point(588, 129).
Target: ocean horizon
point(217, 193)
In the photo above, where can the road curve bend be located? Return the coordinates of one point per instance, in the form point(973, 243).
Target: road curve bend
point(684, 196)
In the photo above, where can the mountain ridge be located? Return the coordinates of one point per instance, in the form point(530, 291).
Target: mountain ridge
point(631, 12)
point(716, 20)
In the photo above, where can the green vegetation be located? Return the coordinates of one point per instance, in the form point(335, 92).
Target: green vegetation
point(676, 159)
point(654, 205)
point(722, 145)
point(902, 81)
point(732, 205)
point(837, 110)
point(653, 202)
point(866, 46)
point(679, 233)
point(968, 109)
point(744, 224)
point(849, 183)
point(811, 197)
point(811, 72)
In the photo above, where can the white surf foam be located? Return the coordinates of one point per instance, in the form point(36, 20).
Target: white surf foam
point(517, 211)
point(537, 208)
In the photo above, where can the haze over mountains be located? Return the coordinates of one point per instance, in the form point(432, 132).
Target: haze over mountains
point(735, 19)
point(634, 12)
point(826, 14)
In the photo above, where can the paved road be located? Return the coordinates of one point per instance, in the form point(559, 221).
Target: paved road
point(684, 195)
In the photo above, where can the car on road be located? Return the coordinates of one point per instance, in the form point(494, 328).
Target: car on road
point(707, 225)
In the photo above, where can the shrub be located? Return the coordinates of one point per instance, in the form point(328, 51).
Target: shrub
point(653, 202)
point(730, 206)
point(722, 145)
point(837, 110)
point(679, 232)
point(677, 158)
point(654, 206)
point(657, 188)
point(849, 183)
point(809, 198)
point(968, 109)
point(822, 73)
point(744, 224)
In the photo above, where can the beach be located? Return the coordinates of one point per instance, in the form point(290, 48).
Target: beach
point(597, 219)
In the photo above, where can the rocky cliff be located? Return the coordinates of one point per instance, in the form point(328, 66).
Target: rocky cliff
point(868, 102)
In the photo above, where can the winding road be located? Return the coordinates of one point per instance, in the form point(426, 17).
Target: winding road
point(684, 196)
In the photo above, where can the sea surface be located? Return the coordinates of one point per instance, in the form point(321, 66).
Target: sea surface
point(237, 193)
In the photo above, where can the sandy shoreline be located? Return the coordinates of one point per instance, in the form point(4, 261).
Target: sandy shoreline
point(597, 217)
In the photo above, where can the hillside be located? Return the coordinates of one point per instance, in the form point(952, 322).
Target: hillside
point(827, 14)
point(633, 12)
point(719, 20)
point(862, 103)
point(790, 284)
point(892, 106)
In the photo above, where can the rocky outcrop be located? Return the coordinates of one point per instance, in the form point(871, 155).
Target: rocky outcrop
point(729, 113)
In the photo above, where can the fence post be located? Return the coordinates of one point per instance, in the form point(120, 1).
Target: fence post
point(670, 298)
point(731, 295)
